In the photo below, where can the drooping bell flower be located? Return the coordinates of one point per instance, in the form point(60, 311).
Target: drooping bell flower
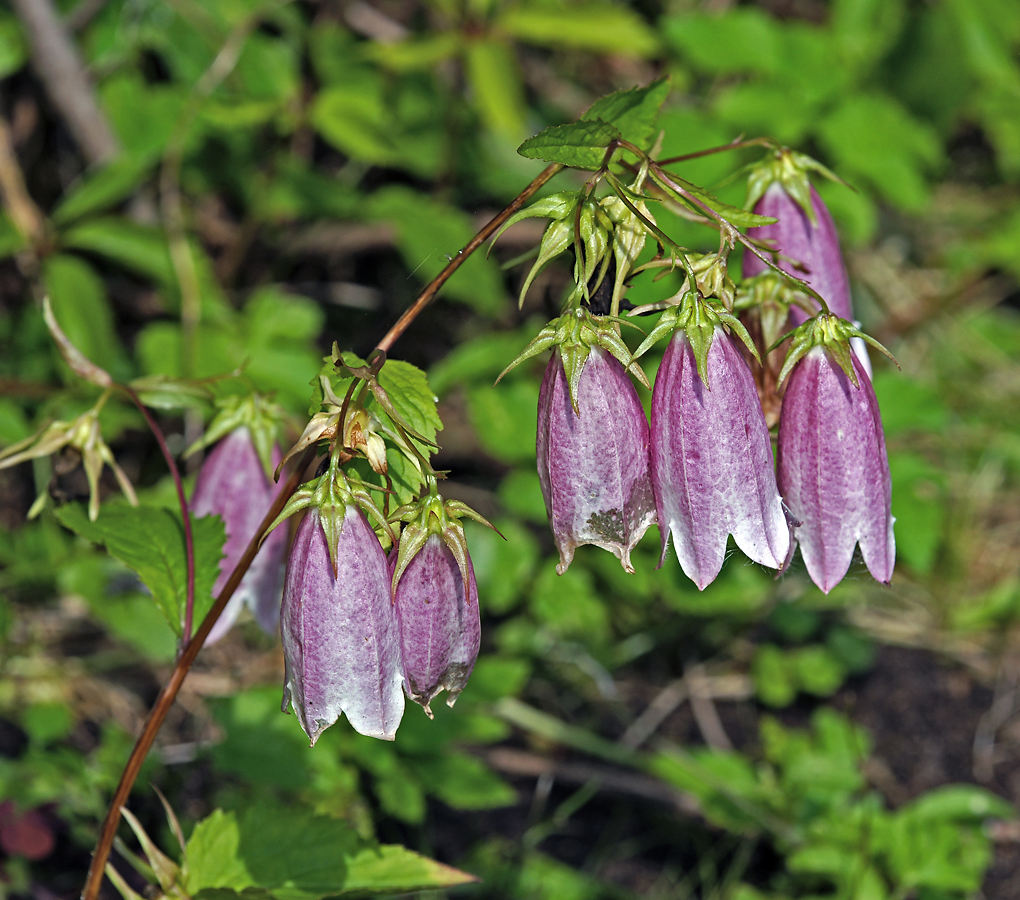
point(341, 640)
point(233, 484)
point(436, 598)
point(592, 442)
point(833, 468)
point(711, 460)
point(804, 235)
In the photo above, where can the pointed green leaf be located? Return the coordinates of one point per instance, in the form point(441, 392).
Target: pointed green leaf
point(580, 144)
point(150, 541)
point(634, 112)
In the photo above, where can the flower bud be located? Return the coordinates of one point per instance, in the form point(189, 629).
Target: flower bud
point(440, 629)
point(232, 484)
point(711, 461)
point(593, 462)
point(833, 469)
point(814, 245)
point(341, 641)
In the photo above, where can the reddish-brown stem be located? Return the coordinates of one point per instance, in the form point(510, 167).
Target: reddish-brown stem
point(426, 296)
point(732, 145)
point(169, 692)
point(191, 648)
point(189, 542)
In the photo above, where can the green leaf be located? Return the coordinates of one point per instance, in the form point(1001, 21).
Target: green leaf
point(212, 854)
point(569, 606)
point(634, 112)
point(746, 39)
point(496, 84)
point(150, 540)
point(599, 28)
point(463, 782)
point(873, 137)
point(81, 307)
point(390, 868)
point(960, 803)
point(98, 190)
point(139, 248)
point(409, 392)
point(580, 144)
point(297, 856)
point(13, 53)
point(918, 507)
point(504, 419)
point(772, 676)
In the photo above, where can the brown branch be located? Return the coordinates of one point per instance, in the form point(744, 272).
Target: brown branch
point(166, 696)
point(56, 60)
point(427, 295)
point(19, 205)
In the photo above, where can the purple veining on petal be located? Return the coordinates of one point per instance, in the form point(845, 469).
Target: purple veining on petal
point(593, 465)
point(815, 246)
point(834, 472)
point(341, 641)
point(440, 628)
point(233, 485)
point(711, 462)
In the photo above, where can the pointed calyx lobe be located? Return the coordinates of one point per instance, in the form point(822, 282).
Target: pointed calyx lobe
point(833, 469)
point(440, 630)
point(341, 640)
point(711, 461)
point(593, 463)
point(232, 484)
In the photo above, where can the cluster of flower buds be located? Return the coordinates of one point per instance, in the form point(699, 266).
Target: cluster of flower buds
point(359, 629)
point(704, 468)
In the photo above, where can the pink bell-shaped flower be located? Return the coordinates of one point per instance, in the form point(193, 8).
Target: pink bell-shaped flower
point(593, 458)
point(232, 484)
point(341, 640)
point(440, 628)
point(711, 460)
point(833, 469)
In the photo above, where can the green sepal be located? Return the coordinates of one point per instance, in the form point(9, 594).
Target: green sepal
point(790, 169)
point(556, 207)
point(260, 416)
point(698, 319)
point(331, 493)
point(772, 294)
point(556, 239)
point(592, 240)
point(574, 334)
point(832, 333)
point(429, 515)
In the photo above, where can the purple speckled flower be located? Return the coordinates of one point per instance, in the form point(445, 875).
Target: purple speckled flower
point(833, 469)
point(711, 461)
point(341, 640)
point(233, 485)
point(814, 245)
point(440, 629)
point(593, 463)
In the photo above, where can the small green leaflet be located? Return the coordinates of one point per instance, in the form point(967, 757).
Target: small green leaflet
point(287, 854)
point(634, 112)
point(411, 396)
point(150, 540)
point(581, 144)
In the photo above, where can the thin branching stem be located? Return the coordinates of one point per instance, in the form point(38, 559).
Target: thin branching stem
point(189, 543)
point(427, 295)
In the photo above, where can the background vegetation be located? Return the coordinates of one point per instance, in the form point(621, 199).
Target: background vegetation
point(253, 180)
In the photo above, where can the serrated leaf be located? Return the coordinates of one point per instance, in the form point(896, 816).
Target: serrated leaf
point(634, 112)
point(283, 852)
point(391, 868)
point(409, 392)
point(580, 144)
point(150, 540)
